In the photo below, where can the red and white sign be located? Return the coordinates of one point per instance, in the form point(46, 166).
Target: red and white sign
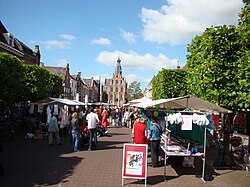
point(135, 161)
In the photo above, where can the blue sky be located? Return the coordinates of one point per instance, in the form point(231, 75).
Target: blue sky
point(90, 35)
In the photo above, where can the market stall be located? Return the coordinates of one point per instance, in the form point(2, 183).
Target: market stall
point(186, 107)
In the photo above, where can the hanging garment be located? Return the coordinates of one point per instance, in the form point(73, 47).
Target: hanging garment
point(48, 110)
point(187, 122)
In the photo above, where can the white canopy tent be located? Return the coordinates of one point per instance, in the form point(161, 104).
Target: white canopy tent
point(66, 101)
point(191, 102)
point(143, 99)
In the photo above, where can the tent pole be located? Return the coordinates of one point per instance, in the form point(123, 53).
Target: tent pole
point(204, 154)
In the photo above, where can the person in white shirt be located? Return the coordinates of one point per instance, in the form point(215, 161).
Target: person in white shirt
point(92, 119)
point(126, 118)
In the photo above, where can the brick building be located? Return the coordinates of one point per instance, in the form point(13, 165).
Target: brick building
point(115, 89)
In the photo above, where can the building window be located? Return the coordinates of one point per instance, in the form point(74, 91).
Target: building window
point(121, 89)
point(116, 89)
point(116, 82)
point(111, 89)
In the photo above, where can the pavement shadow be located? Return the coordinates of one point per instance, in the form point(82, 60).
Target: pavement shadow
point(151, 180)
point(105, 145)
point(34, 163)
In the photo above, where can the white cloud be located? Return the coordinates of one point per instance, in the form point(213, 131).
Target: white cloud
point(134, 61)
point(132, 77)
point(56, 44)
point(179, 20)
point(65, 43)
point(61, 62)
point(67, 37)
point(101, 41)
point(127, 36)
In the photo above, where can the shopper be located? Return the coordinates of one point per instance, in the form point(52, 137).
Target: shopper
point(119, 114)
point(105, 122)
point(126, 118)
point(140, 131)
point(75, 132)
point(53, 130)
point(114, 116)
point(92, 119)
point(155, 137)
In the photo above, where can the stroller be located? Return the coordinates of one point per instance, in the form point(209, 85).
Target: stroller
point(84, 135)
point(101, 131)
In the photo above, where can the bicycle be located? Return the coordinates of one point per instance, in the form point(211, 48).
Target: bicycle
point(240, 153)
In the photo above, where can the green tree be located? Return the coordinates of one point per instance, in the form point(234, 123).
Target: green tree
point(55, 85)
point(169, 83)
point(244, 61)
point(219, 68)
point(134, 90)
point(216, 67)
point(11, 76)
point(219, 63)
point(36, 82)
point(22, 82)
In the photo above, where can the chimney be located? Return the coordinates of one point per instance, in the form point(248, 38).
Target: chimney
point(41, 64)
point(37, 49)
point(178, 65)
point(79, 74)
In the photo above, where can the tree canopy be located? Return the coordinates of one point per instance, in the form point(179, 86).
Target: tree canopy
point(218, 64)
point(22, 82)
point(12, 72)
point(134, 90)
point(169, 83)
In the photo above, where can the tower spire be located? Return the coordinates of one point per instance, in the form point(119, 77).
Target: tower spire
point(118, 70)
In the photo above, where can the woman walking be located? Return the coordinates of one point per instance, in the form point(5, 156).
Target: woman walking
point(105, 122)
point(75, 132)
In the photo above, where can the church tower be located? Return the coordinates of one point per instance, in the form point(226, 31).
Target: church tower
point(118, 69)
point(115, 89)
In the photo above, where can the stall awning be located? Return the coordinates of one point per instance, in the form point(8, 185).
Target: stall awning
point(191, 102)
point(143, 99)
point(66, 101)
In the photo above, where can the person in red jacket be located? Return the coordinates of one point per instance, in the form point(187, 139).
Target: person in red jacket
point(105, 122)
point(140, 131)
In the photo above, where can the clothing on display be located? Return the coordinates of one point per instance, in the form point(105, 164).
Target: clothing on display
point(48, 110)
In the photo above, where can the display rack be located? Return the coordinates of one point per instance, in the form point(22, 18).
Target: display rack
point(180, 151)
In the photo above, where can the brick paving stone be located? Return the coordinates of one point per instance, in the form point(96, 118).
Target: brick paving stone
point(33, 163)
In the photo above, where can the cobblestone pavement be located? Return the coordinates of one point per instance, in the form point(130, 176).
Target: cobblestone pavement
point(34, 163)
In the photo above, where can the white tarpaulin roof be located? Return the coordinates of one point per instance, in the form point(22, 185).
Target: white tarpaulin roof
point(183, 102)
point(66, 101)
point(143, 99)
